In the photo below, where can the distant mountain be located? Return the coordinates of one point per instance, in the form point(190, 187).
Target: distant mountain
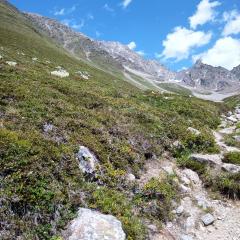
point(118, 58)
point(206, 77)
point(236, 72)
point(100, 52)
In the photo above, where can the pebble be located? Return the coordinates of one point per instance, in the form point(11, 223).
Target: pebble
point(208, 219)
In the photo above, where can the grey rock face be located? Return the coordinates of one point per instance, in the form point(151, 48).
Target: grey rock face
point(87, 160)
point(208, 219)
point(206, 77)
point(231, 168)
point(237, 138)
point(131, 59)
point(212, 160)
point(92, 225)
point(236, 71)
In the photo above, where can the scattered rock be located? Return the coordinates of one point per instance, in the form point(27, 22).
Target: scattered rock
point(231, 168)
point(179, 210)
point(184, 189)
point(60, 73)
point(194, 131)
point(237, 138)
point(34, 59)
point(87, 160)
point(168, 170)
point(186, 237)
point(47, 127)
point(10, 63)
point(1, 57)
point(185, 180)
point(213, 160)
point(85, 75)
point(93, 225)
point(208, 219)
point(130, 177)
point(229, 130)
point(193, 176)
point(232, 119)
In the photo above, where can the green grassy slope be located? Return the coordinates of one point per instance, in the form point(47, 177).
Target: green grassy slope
point(41, 184)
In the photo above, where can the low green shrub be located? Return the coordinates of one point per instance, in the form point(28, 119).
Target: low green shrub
point(113, 202)
point(227, 184)
point(186, 162)
point(232, 157)
point(158, 195)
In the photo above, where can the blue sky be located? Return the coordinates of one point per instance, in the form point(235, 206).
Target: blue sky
point(175, 32)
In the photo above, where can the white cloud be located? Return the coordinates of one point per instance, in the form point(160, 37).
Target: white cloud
point(181, 41)
point(233, 23)
point(205, 13)
point(126, 3)
point(90, 16)
point(98, 34)
point(132, 45)
point(225, 53)
point(141, 53)
point(65, 11)
point(108, 8)
point(60, 12)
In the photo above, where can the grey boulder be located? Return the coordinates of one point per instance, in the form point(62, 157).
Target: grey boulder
point(93, 225)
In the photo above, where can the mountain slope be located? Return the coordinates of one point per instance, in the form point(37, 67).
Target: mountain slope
point(144, 74)
point(44, 119)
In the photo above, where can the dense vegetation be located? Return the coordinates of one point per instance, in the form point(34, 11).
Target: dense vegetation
point(41, 184)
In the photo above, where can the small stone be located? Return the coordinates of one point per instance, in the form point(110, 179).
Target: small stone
point(34, 59)
point(179, 210)
point(87, 160)
point(208, 219)
point(130, 177)
point(193, 176)
point(232, 119)
point(10, 63)
point(231, 168)
point(184, 189)
point(229, 130)
point(168, 170)
point(194, 131)
point(237, 138)
point(186, 237)
point(185, 180)
point(1, 57)
point(47, 127)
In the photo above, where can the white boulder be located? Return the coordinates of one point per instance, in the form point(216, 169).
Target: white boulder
point(12, 64)
point(93, 225)
point(60, 73)
point(211, 159)
point(231, 168)
point(208, 219)
point(87, 160)
point(194, 131)
point(85, 75)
